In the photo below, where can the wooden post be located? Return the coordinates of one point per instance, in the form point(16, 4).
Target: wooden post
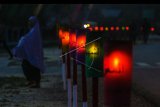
point(95, 92)
point(75, 100)
point(64, 71)
point(84, 87)
point(69, 81)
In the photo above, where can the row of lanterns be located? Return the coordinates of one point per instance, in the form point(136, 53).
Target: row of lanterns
point(111, 59)
point(112, 28)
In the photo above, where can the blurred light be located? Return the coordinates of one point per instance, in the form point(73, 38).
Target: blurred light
point(81, 41)
point(65, 39)
point(106, 29)
point(96, 28)
point(127, 28)
point(93, 49)
point(60, 33)
point(85, 26)
point(116, 62)
point(88, 25)
point(91, 29)
point(112, 28)
point(101, 28)
point(123, 28)
point(152, 29)
point(117, 28)
point(72, 39)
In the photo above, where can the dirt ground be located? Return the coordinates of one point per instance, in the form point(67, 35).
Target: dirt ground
point(13, 93)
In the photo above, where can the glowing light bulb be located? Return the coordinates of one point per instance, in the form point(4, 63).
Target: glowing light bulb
point(116, 62)
point(85, 26)
point(106, 29)
point(93, 49)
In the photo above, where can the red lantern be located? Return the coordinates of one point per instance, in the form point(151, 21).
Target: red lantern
point(72, 39)
point(117, 62)
point(81, 41)
point(60, 33)
point(118, 73)
point(65, 38)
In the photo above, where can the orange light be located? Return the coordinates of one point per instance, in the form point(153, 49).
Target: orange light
point(112, 28)
point(72, 39)
point(60, 33)
point(81, 41)
point(117, 62)
point(152, 29)
point(65, 38)
point(127, 28)
point(96, 28)
point(106, 29)
point(101, 28)
point(117, 28)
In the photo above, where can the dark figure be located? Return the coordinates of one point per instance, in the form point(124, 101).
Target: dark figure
point(145, 30)
point(30, 51)
point(32, 74)
point(4, 44)
point(133, 31)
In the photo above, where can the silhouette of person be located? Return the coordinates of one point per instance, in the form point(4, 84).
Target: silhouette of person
point(133, 31)
point(145, 30)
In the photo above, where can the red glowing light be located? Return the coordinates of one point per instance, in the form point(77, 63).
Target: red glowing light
point(96, 28)
point(112, 28)
point(81, 41)
point(72, 39)
point(117, 73)
point(117, 28)
point(152, 29)
point(127, 28)
point(65, 38)
point(91, 29)
point(101, 28)
point(60, 33)
point(117, 62)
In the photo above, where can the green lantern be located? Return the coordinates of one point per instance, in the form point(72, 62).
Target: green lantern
point(94, 55)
